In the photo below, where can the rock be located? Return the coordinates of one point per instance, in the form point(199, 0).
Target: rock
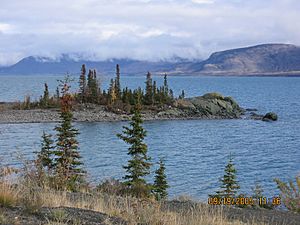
point(251, 110)
point(214, 105)
point(270, 116)
point(256, 116)
point(184, 104)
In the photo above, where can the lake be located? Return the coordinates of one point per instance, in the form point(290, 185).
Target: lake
point(195, 151)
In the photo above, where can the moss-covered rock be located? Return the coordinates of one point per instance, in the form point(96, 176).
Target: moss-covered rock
point(214, 105)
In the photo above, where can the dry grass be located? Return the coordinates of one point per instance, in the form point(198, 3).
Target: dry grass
point(139, 212)
point(8, 192)
point(8, 195)
point(134, 211)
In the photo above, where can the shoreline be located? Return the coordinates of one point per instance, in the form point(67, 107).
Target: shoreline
point(90, 116)
point(209, 106)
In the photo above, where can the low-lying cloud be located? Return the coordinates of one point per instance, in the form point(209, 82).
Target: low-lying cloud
point(142, 29)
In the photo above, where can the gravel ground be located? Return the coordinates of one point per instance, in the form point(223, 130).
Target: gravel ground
point(62, 215)
point(93, 115)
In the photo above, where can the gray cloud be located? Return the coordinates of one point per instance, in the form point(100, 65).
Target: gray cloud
point(143, 29)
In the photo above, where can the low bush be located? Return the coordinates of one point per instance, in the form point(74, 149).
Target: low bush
point(290, 194)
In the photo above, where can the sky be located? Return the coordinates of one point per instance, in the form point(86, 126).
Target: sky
point(142, 29)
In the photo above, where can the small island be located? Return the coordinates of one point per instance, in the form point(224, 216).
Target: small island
point(92, 104)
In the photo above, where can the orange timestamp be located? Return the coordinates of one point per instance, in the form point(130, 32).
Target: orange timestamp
point(244, 201)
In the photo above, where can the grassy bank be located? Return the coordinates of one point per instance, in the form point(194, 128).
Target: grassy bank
point(22, 203)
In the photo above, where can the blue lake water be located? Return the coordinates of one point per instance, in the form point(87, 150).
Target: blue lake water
point(195, 151)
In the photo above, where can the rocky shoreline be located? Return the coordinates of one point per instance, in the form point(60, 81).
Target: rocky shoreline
point(209, 106)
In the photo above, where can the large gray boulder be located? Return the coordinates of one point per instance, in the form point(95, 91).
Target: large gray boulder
point(211, 105)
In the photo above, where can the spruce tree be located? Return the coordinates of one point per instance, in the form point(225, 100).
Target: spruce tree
point(117, 82)
point(45, 99)
point(82, 84)
point(95, 87)
point(171, 96)
point(112, 95)
point(149, 90)
point(67, 158)
point(160, 183)
point(166, 86)
point(139, 165)
point(44, 157)
point(90, 80)
point(154, 88)
point(44, 162)
point(126, 96)
point(229, 182)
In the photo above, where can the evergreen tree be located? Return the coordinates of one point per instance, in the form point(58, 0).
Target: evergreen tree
point(45, 99)
point(229, 182)
point(149, 90)
point(154, 88)
point(90, 80)
point(137, 96)
point(67, 161)
point(171, 96)
point(82, 84)
point(117, 82)
point(166, 86)
point(139, 164)
point(93, 87)
point(160, 183)
point(112, 95)
point(126, 96)
point(44, 157)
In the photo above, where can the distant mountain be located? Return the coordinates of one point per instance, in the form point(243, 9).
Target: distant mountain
point(65, 64)
point(256, 60)
point(266, 59)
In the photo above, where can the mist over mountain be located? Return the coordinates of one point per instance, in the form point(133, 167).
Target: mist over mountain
point(266, 59)
point(66, 64)
point(260, 59)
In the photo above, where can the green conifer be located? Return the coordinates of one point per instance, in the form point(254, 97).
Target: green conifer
point(82, 84)
point(44, 157)
point(45, 99)
point(229, 182)
point(166, 86)
point(160, 183)
point(117, 82)
point(139, 165)
point(67, 157)
point(148, 99)
point(112, 95)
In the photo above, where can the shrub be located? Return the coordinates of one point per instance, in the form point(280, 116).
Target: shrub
point(112, 187)
point(8, 192)
point(8, 195)
point(290, 194)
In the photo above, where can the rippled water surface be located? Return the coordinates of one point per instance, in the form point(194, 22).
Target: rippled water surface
point(195, 151)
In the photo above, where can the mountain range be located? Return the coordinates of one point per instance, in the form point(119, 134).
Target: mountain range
point(266, 59)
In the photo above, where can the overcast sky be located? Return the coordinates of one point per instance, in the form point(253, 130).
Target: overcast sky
point(142, 29)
